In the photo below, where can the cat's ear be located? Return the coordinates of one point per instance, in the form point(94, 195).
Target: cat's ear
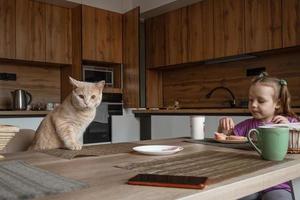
point(74, 82)
point(100, 84)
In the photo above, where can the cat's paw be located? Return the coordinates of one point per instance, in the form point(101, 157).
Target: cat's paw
point(75, 146)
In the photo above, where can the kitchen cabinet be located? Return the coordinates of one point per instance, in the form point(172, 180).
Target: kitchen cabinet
point(263, 25)
point(58, 34)
point(155, 41)
point(228, 27)
point(200, 31)
point(30, 30)
point(176, 36)
point(101, 35)
point(131, 74)
point(291, 22)
point(7, 28)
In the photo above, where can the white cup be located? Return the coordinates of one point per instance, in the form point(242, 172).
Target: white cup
point(197, 127)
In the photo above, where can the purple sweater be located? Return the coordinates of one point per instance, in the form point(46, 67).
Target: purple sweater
point(244, 127)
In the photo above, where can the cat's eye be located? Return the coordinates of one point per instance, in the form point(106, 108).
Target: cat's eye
point(81, 96)
point(93, 96)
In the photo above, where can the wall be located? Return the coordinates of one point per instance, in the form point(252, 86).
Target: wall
point(42, 82)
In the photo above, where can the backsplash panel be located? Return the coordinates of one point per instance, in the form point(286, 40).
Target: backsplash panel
point(189, 85)
point(42, 82)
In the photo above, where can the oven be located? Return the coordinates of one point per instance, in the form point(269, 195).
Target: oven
point(100, 129)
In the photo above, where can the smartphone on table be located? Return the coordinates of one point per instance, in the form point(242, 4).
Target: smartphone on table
point(192, 182)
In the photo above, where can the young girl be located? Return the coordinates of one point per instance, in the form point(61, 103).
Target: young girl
point(269, 103)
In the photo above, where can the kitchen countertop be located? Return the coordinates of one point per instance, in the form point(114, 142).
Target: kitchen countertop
point(23, 113)
point(197, 111)
point(109, 182)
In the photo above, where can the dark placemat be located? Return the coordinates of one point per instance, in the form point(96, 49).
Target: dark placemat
point(21, 181)
point(216, 165)
point(211, 141)
point(94, 150)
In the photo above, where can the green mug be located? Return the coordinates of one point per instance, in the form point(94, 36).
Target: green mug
point(272, 142)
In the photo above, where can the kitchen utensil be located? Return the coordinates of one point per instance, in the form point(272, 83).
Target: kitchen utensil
point(21, 99)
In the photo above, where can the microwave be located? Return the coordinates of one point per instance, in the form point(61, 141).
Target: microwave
point(95, 74)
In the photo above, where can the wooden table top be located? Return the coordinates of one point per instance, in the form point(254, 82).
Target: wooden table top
point(109, 182)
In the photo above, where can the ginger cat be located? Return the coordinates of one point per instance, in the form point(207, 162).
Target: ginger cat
point(63, 127)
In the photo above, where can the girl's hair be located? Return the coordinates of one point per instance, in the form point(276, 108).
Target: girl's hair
point(281, 93)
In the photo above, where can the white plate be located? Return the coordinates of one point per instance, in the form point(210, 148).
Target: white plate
point(157, 149)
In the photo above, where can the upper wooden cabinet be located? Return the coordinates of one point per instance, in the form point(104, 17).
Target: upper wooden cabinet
point(200, 31)
point(176, 36)
point(7, 29)
point(101, 35)
point(228, 27)
point(263, 25)
point(155, 42)
point(291, 22)
point(131, 61)
point(30, 30)
point(58, 34)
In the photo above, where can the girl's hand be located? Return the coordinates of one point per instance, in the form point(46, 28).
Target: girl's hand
point(225, 124)
point(280, 120)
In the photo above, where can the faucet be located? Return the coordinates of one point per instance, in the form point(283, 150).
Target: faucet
point(232, 102)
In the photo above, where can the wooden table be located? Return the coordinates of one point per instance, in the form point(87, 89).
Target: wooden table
point(109, 182)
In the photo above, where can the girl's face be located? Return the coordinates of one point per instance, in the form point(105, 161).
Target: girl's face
point(261, 102)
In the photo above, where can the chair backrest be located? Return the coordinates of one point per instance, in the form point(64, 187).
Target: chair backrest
point(20, 142)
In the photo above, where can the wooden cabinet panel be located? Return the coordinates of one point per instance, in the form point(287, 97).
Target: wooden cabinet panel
point(291, 22)
point(262, 25)
point(116, 37)
point(102, 31)
point(228, 27)
point(101, 35)
point(131, 60)
point(30, 30)
point(155, 41)
point(7, 29)
point(176, 36)
point(88, 33)
point(58, 34)
point(200, 31)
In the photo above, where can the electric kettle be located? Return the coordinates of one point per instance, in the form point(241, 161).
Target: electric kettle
point(21, 99)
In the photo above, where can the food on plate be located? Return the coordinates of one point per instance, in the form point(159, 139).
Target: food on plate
point(222, 136)
point(235, 137)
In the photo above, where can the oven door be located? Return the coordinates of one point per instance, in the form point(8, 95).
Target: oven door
point(97, 132)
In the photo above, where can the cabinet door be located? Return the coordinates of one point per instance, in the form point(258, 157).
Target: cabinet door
point(155, 41)
point(108, 32)
point(176, 36)
point(228, 27)
point(101, 35)
point(88, 33)
point(263, 25)
point(200, 31)
point(31, 30)
point(7, 29)
point(131, 58)
point(102, 31)
point(291, 22)
point(116, 37)
point(58, 34)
